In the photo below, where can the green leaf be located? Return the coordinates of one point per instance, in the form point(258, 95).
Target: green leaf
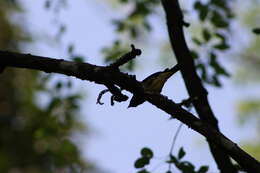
point(147, 152)
point(216, 81)
point(194, 54)
point(55, 102)
point(256, 30)
point(197, 5)
point(143, 171)
point(203, 169)
point(173, 159)
point(68, 147)
point(203, 13)
point(221, 37)
point(222, 46)
point(218, 20)
point(133, 32)
point(202, 9)
point(123, 1)
point(196, 41)
point(79, 59)
point(58, 85)
point(70, 49)
point(147, 25)
point(221, 4)
point(202, 69)
point(141, 162)
point(219, 70)
point(181, 153)
point(206, 35)
point(186, 167)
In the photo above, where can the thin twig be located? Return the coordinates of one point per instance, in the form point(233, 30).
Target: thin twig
point(174, 141)
point(100, 96)
point(126, 57)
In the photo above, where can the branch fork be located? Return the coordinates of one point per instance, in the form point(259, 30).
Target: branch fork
point(116, 92)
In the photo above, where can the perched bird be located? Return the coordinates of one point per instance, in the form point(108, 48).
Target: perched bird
point(154, 83)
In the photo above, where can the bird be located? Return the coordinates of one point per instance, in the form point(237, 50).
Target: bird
point(153, 83)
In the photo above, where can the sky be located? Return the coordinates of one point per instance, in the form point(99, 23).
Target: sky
point(116, 133)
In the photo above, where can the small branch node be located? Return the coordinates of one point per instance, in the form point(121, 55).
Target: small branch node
point(137, 52)
point(187, 102)
point(126, 57)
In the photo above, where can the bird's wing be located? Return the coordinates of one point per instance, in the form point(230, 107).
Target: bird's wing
point(156, 81)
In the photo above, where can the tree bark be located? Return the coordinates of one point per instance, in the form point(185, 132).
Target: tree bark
point(175, 23)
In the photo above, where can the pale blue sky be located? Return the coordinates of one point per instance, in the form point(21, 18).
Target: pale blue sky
point(118, 133)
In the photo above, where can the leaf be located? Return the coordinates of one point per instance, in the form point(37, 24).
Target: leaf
point(123, 1)
point(219, 3)
point(222, 46)
point(141, 162)
point(194, 54)
point(173, 159)
point(206, 35)
point(47, 4)
point(69, 84)
point(186, 167)
point(202, 69)
point(58, 85)
point(216, 81)
point(203, 13)
point(147, 25)
point(62, 29)
point(196, 41)
point(221, 37)
point(197, 5)
point(203, 169)
point(202, 10)
point(147, 152)
point(256, 30)
point(79, 59)
point(70, 49)
point(68, 147)
point(143, 171)
point(218, 21)
point(133, 32)
point(55, 102)
point(181, 153)
point(219, 70)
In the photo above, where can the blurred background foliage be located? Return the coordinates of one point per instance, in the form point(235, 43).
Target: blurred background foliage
point(248, 70)
point(34, 138)
point(38, 138)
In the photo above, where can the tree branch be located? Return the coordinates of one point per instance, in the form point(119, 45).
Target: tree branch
point(127, 57)
point(192, 81)
point(104, 75)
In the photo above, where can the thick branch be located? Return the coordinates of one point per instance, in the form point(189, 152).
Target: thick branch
point(104, 75)
point(192, 81)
